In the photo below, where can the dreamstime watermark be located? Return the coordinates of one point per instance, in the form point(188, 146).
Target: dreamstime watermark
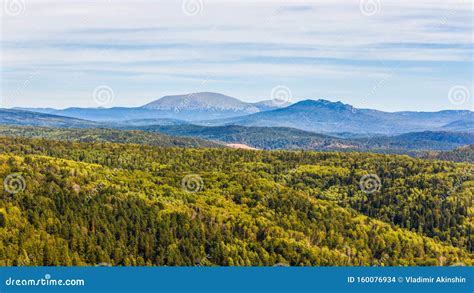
point(25, 260)
point(370, 183)
point(205, 261)
point(381, 83)
point(44, 281)
point(182, 105)
point(459, 95)
point(370, 7)
point(26, 83)
point(192, 7)
point(94, 192)
point(14, 183)
point(192, 183)
point(281, 264)
point(458, 185)
point(281, 95)
point(384, 260)
point(14, 7)
point(103, 95)
point(88, 197)
point(452, 11)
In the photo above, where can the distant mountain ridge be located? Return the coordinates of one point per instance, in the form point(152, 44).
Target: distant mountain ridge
point(320, 116)
point(252, 136)
point(460, 125)
point(189, 107)
point(20, 117)
point(201, 101)
point(324, 116)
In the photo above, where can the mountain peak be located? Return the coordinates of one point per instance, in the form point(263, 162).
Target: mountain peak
point(200, 106)
point(324, 104)
point(201, 101)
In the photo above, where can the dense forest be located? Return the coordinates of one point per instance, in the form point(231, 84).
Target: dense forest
point(419, 144)
point(271, 138)
point(105, 135)
point(461, 154)
point(78, 203)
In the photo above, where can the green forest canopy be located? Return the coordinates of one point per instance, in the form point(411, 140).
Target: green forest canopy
point(125, 204)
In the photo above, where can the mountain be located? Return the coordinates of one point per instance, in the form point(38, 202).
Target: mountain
point(20, 117)
point(310, 115)
point(198, 106)
point(190, 107)
point(105, 135)
point(204, 101)
point(330, 117)
point(213, 102)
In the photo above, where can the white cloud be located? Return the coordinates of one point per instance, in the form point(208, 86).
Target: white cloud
point(232, 39)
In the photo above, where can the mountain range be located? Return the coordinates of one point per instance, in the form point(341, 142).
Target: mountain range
point(189, 107)
point(178, 133)
point(331, 117)
point(321, 116)
point(220, 119)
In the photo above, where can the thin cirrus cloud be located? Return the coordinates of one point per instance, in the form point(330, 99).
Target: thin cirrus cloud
point(340, 50)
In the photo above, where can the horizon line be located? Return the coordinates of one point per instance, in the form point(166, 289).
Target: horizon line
point(291, 103)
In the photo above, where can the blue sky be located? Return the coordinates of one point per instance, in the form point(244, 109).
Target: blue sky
point(387, 55)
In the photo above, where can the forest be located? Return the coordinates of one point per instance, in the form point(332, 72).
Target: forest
point(101, 203)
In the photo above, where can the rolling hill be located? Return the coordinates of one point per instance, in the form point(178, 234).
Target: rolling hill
point(426, 140)
point(461, 154)
point(106, 135)
point(271, 138)
point(20, 117)
point(460, 125)
point(267, 138)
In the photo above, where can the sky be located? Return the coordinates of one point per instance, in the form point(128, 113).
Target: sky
point(380, 54)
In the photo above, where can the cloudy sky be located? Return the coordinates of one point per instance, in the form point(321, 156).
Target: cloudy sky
point(383, 54)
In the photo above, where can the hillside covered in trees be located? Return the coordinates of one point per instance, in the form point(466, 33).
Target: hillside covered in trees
point(76, 203)
point(105, 135)
point(272, 138)
point(461, 154)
